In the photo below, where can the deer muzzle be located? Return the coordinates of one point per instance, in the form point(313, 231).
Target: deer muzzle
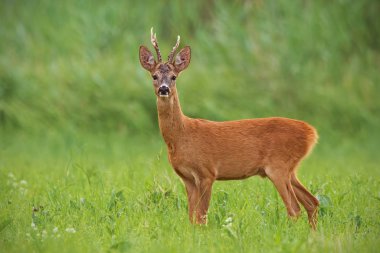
point(163, 91)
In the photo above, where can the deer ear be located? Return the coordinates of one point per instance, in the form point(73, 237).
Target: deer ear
point(182, 59)
point(146, 59)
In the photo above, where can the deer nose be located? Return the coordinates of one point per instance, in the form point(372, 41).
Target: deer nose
point(163, 91)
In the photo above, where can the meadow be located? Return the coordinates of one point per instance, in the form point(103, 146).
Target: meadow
point(83, 167)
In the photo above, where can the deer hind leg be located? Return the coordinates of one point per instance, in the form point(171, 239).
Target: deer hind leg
point(283, 185)
point(307, 199)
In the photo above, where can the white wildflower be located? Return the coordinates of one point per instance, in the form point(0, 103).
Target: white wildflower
point(23, 182)
point(71, 230)
point(55, 230)
point(10, 175)
point(82, 200)
point(229, 220)
point(33, 225)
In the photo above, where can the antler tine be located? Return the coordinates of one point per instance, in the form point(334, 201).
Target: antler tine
point(170, 58)
point(153, 39)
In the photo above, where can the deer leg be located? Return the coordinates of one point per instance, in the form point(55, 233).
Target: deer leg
point(205, 188)
point(285, 189)
point(307, 199)
point(192, 198)
point(295, 205)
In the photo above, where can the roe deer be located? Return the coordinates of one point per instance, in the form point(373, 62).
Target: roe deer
point(202, 151)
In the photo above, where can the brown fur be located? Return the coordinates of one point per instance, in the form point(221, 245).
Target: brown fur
point(203, 151)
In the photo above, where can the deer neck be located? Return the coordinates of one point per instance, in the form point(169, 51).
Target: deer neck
point(171, 118)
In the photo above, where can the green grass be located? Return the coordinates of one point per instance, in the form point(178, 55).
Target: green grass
point(79, 139)
point(120, 195)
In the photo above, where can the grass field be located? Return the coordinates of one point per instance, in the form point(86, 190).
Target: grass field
point(83, 167)
point(117, 194)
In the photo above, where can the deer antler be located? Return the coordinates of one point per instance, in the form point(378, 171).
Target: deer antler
point(170, 58)
point(153, 39)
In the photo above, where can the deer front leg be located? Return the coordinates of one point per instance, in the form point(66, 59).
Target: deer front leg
point(205, 188)
point(192, 198)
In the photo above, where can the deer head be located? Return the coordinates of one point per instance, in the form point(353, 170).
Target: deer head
point(164, 74)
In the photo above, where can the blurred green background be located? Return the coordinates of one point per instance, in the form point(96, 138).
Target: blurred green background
point(72, 67)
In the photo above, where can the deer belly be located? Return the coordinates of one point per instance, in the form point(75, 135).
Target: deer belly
point(232, 173)
point(237, 164)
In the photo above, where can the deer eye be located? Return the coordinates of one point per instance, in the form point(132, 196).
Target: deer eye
point(155, 77)
point(174, 77)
